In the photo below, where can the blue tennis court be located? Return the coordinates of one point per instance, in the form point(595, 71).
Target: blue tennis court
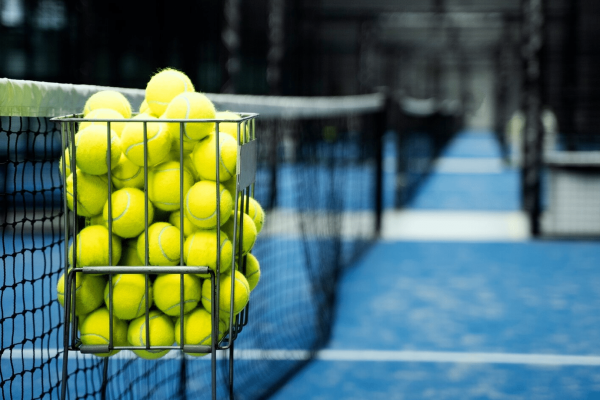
point(430, 319)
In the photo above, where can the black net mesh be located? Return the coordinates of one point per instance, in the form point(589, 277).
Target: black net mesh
point(317, 180)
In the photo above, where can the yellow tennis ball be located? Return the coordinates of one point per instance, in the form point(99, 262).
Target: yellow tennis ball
point(96, 220)
point(95, 329)
point(230, 128)
point(200, 249)
point(128, 212)
point(92, 193)
point(241, 294)
point(197, 329)
point(248, 228)
point(160, 334)
point(164, 186)
point(230, 185)
point(255, 211)
point(127, 174)
point(129, 295)
point(104, 113)
point(129, 254)
point(67, 156)
point(191, 106)
point(201, 204)
point(252, 272)
point(144, 109)
point(92, 150)
point(164, 86)
point(92, 247)
point(167, 293)
point(188, 227)
point(205, 157)
point(132, 141)
point(163, 242)
point(108, 99)
point(88, 292)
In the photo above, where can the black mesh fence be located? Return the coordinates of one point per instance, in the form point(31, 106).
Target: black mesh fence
point(319, 180)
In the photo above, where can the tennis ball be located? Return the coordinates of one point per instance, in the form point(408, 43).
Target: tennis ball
point(92, 193)
point(191, 106)
point(231, 128)
point(128, 212)
point(160, 334)
point(129, 254)
point(167, 293)
point(95, 329)
point(88, 292)
point(67, 157)
point(92, 149)
point(240, 298)
point(252, 273)
point(164, 244)
point(248, 234)
point(129, 295)
point(164, 86)
point(201, 248)
point(127, 174)
point(96, 220)
point(201, 204)
point(108, 99)
point(144, 109)
point(255, 211)
point(230, 185)
point(205, 157)
point(164, 186)
point(188, 227)
point(197, 329)
point(132, 141)
point(104, 113)
point(92, 247)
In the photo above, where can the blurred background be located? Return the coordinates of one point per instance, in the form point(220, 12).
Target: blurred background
point(430, 171)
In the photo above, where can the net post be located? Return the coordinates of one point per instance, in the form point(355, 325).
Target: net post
point(380, 126)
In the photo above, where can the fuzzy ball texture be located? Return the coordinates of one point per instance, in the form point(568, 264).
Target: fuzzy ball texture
point(95, 329)
point(93, 249)
point(104, 113)
point(204, 157)
point(129, 295)
point(108, 99)
point(92, 193)
point(252, 272)
point(161, 334)
point(163, 243)
point(246, 225)
point(201, 249)
point(128, 212)
point(164, 188)
point(167, 293)
point(127, 174)
point(163, 87)
point(197, 329)
point(241, 294)
point(92, 148)
point(132, 141)
point(191, 105)
point(88, 292)
point(201, 204)
point(255, 211)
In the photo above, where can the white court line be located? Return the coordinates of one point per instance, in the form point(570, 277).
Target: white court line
point(365, 356)
point(451, 165)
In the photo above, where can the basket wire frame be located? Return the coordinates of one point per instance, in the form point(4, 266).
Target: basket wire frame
point(245, 134)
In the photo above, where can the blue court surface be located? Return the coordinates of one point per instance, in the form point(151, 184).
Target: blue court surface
point(463, 320)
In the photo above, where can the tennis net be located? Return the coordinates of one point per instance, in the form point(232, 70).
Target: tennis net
point(319, 179)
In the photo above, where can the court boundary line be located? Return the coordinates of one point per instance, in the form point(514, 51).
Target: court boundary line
point(340, 355)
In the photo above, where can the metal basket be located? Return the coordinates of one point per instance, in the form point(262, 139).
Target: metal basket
point(245, 178)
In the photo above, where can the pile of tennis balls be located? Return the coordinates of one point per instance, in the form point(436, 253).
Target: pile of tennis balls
point(169, 95)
